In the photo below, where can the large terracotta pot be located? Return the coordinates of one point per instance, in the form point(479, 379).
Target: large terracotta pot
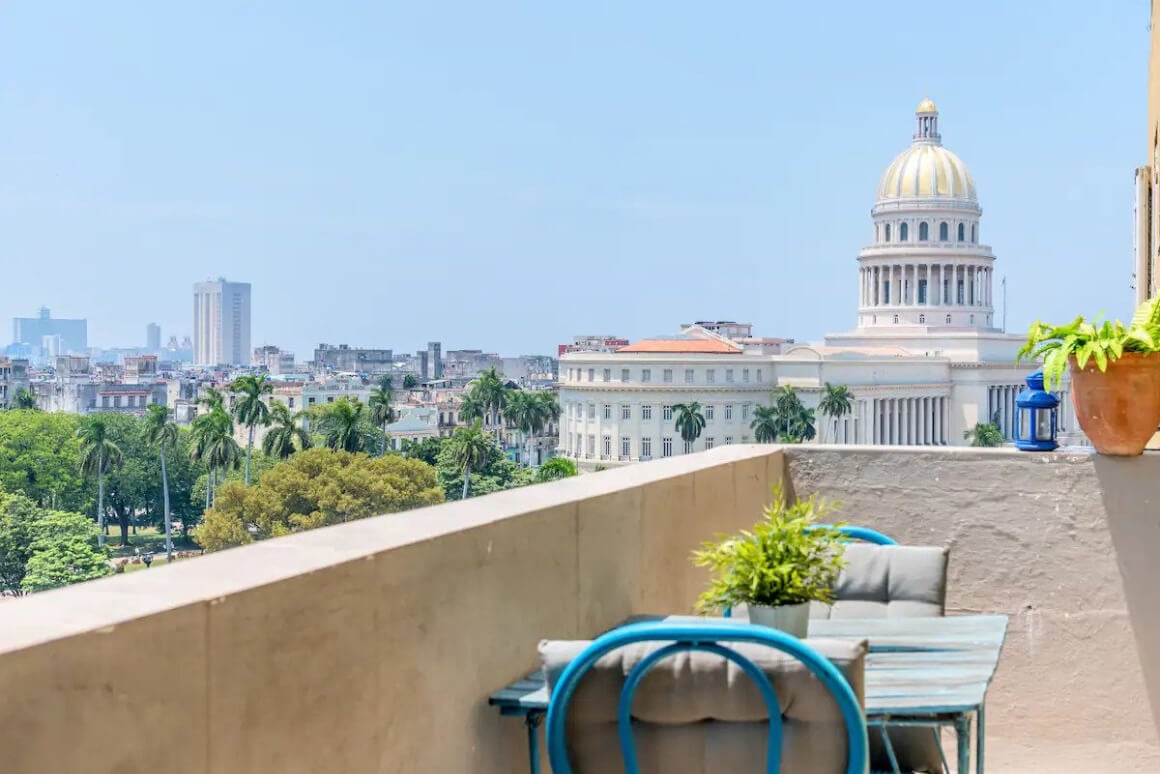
point(1118, 409)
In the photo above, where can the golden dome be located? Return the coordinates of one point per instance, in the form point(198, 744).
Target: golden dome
point(926, 170)
point(927, 106)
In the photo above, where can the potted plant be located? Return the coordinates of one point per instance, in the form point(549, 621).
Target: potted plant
point(777, 567)
point(1115, 375)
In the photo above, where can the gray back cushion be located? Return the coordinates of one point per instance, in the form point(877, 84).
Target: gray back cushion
point(889, 582)
point(698, 713)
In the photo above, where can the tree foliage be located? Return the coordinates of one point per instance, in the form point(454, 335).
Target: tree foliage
point(316, 488)
point(555, 469)
point(40, 458)
point(42, 549)
point(986, 434)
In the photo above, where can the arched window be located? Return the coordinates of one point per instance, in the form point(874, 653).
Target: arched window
point(948, 319)
point(962, 233)
point(896, 319)
point(887, 239)
point(904, 232)
point(974, 233)
point(943, 232)
point(923, 231)
point(972, 320)
point(922, 319)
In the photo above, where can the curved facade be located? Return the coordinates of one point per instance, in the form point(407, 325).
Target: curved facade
point(926, 267)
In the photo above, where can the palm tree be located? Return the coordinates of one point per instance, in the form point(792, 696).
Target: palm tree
point(99, 455)
point(492, 393)
point(836, 403)
point(987, 434)
point(528, 413)
point(550, 405)
point(380, 405)
point(162, 434)
point(286, 434)
point(801, 427)
point(690, 421)
point(24, 399)
point(212, 434)
point(555, 469)
point(788, 405)
point(471, 448)
point(344, 426)
point(470, 409)
point(250, 409)
point(211, 398)
point(766, 424)
point(409, 382)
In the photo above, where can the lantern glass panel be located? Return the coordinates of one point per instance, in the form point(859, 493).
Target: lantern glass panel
point(1043, 425)
point(1021, 432)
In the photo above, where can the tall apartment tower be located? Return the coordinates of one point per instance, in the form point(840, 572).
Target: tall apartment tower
point(435, 359)
point(221, 323)
point(424, 366)
point(152, 337)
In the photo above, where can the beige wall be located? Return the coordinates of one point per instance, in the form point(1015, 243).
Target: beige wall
point(366, 647)
point(1065, 545)
point(372, 646)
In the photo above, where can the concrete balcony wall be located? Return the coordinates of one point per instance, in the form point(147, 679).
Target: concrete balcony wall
point(365, 647)
point(1068, 546)
point(372, 646)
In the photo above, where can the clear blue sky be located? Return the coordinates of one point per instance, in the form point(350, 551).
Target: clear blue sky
point(505, 175)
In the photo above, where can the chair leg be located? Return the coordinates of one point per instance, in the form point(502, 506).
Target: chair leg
point(889, 750)
point(963, 733)
point(937, 731)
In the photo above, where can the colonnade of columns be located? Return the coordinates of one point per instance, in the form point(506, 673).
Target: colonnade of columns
point(925, 284)
point(917, 421)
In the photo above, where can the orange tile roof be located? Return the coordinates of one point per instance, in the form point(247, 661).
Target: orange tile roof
point(687, 345)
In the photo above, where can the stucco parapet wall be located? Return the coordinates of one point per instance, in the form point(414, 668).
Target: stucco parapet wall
point(111, 601)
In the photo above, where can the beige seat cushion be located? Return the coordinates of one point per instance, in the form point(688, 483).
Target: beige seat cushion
point(698, 713)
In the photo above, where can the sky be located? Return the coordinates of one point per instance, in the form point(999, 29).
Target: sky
point(505, 175)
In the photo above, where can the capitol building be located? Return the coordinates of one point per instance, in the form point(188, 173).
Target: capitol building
point(925, 363)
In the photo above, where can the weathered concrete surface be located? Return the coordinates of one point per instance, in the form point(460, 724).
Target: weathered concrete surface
point(1065, 544)
point(365, 647)
point(372, 646)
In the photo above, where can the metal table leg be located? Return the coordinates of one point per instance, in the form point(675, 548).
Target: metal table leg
point(963, 733)
point(532, 721)
point(981, 733)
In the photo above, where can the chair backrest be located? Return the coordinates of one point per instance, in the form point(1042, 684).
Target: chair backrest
point(889, 581)
point(693, 715)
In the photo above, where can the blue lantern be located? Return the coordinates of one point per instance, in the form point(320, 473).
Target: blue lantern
point(1037, 416)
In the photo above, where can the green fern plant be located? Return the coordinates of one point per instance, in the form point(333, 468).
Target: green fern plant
point(785, 559)
point(1099, 341)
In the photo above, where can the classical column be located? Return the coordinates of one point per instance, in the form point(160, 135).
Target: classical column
point(874, 424)
point(922, 421)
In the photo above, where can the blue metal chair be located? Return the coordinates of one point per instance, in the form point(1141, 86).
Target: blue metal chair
point(865, 534)
point(708, 638)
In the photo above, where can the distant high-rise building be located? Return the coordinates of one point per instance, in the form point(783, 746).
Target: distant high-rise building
point(221, 323)
point(343, 357)
point(424, 366)
point(435, 359)
point(74, 334)
point(152, 337)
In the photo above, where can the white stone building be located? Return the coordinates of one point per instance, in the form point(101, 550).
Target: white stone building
point(926, 362)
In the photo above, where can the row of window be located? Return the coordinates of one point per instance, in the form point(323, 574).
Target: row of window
point(131, 401)
point(646, 446)
point(922, 319)
point(576, 411)
point(882, 295)
point(729, 375)
point(944, 232)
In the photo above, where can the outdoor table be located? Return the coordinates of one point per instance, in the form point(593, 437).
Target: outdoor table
point(929, 672)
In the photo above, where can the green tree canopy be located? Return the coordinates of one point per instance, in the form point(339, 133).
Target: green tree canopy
point(42, 549)
point(286, 434)
point(315, 488)
point(555, 469)
point(40, 458)
point(345, 425)
point(689, 421)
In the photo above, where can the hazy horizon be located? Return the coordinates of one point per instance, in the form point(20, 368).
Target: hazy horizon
point(505, 176)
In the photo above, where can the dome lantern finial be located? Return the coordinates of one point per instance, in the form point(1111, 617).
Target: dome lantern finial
point(926, 122)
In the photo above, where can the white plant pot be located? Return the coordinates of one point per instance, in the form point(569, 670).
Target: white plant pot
point(791, 619)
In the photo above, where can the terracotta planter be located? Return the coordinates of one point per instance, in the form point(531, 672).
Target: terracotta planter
point(1118, 409)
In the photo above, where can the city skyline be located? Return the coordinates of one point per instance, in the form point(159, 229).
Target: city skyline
point(683, 169)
